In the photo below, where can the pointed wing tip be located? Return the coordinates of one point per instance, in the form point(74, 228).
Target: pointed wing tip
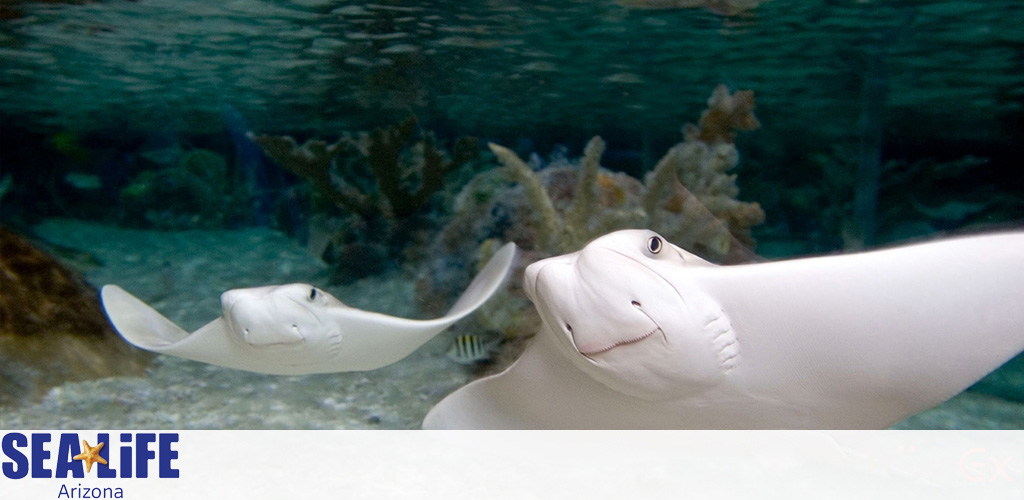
point(486, 282)
point(116, 301)
point(501, 263)
point(109, 291)
point(138, 323)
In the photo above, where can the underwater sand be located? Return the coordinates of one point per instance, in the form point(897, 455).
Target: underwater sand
point(182, 274)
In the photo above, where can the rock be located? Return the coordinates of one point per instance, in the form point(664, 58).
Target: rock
point(52, 326)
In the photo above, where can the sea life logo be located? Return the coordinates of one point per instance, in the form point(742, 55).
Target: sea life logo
point(45, 455)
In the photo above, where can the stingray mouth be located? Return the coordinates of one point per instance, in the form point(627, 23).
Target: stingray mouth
point(601, 350)
point(590, 319)
point(594, 347)
point(289, 336)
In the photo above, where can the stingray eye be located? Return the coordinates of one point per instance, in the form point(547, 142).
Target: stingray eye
point(654, 244)
point(312, 294)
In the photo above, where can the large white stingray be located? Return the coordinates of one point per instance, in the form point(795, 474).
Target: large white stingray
point(638, 333)
point(295, 329)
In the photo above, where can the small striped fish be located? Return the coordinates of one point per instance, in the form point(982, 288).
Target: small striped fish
point(470, 349)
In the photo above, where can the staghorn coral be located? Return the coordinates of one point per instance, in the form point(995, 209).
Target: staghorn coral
point(403, 178)
point(692, 200)
point(689, 197)
point(588, 213)
point(381, 184)
point(312, 161)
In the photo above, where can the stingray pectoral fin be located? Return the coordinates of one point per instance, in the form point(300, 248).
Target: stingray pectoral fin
point(373, 340)
point(145, 328)
point(479, 291)
point(517, 398)
point(484, 284)
point(139, 324)
point(543, 390)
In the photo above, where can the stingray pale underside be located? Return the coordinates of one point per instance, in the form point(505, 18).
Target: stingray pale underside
point(850, 341)
point(273, 330)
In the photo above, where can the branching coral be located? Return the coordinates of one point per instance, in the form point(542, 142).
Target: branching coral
point(689, 197)
point(383, 182)
point(693, 201)
point(404, 178)
point(586, 216)
point(312, 161)
point(726, 113)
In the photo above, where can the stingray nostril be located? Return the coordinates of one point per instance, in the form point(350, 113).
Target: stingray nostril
point(636, 304)
point(568, 327)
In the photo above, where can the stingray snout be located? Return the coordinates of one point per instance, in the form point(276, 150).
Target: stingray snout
point(533, 272)
point(544, 282)
point(590, 307)
point(229, 298)
point(262, 317)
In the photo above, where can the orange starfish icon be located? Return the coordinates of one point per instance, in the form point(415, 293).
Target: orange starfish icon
point(90, 454)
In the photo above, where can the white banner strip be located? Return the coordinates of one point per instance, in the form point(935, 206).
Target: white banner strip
point(514, 465)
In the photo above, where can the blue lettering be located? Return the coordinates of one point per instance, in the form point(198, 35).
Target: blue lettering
point(126, 455)
point(167, 454)
point(39, 454)
point(66, 457)
point(89, 492)
point(27, 456)
point(104, 470)
point(144, 454)
point(17, 468)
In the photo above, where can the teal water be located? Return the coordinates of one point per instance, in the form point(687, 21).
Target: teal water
point(880, 122)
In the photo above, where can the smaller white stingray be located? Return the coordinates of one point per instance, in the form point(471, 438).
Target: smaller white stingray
point(295, 329)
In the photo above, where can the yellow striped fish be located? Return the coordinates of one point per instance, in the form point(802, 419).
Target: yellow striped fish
point(471, 349)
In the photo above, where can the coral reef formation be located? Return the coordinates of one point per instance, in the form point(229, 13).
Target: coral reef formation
point(52, 327)
point(403, 179)
point(689, 197)
point(197, 193)
point(381, 185)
